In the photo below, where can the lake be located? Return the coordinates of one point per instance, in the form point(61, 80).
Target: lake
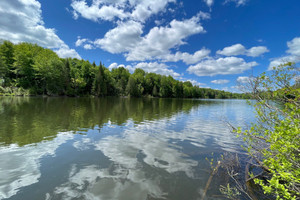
point(115, 148)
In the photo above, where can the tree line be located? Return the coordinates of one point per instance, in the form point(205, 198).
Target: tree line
point(34, 70)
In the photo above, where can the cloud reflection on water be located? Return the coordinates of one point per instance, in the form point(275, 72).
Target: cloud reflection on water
point(154, 144)
point(22, 164)
point(141, 157)
point(128, 177)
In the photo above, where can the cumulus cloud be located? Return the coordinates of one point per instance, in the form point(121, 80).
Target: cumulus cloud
point(121, 39)
point(88, 46)
point(234, 50)
point(222, 66)
point(85, 43)
point(256, 51)
point(21, 21)
point(239, 49)
point(193, 82)
point(154, 67)
point(122, 9)
point(127, 38)
point(243, 79)
point(115, 65)
point(144, 9)
point(159, 68)
point(293, 54)
point(220, 81)
point(80, 41)
point(95, 11)
point(294, 46)
point(186, 57)
point(65, 52)
point(160, 40)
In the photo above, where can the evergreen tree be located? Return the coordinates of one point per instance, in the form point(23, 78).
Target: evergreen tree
point(99, 85)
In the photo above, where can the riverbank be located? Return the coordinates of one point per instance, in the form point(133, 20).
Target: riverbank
point(21, 92)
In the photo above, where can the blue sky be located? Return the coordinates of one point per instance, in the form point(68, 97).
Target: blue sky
point(212, 43)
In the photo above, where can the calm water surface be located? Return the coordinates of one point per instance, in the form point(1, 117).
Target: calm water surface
point(114, 148)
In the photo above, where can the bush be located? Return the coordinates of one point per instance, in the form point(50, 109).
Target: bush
point(274, 142)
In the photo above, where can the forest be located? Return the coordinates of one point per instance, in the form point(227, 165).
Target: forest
point(29, 69)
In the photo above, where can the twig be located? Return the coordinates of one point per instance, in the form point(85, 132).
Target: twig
point(210, 179)
point(249, 189)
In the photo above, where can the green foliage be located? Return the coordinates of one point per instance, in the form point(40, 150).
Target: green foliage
point(41, 72)
point(133, 88)
point(6, 63)
point(274, 141)
point(230, 192)
point(121, 76)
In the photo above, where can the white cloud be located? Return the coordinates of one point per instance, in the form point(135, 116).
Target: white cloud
point(159, 68)
point(155, 67)
point(144, 9)
point(293, 54)
point(121, 39)
point(80, 41)
point(223, 66)
point(194, 82)
point(159, 22)
point(220, 81)
point(243, 79)
point(115, 65)
point(203, 15)
point(239, 49)
point(257, 51)
point(85, 43)
point(95, 11)
point(88, 46)
point(209, 3)
point(160, 40)
point(294, 46)
point(66, 52)
point(186, 57)
point(123, 9)
point(234, 50)
point(126, 38)
point(237, 2)
point(21, 21)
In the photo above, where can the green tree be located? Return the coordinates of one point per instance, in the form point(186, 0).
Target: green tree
point(99, 85)
point(132, 88)
point(155, 91)
point(24, 65)
point(121, 76)
point(139, 76)
point(166, 86)
point(177, 89)
point(7, 56)
point(48, 71)
point(3, 71)
point(274, 142)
